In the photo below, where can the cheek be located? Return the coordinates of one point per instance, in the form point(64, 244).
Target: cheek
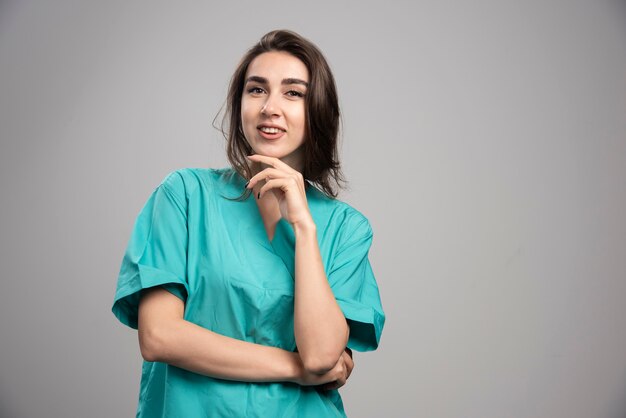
point(298, 115)
point(246, 113)
point(302, 118)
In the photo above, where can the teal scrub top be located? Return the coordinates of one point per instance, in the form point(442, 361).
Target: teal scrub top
point(215, 255)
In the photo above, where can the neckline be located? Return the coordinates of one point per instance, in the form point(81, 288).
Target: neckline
point(281, 227)
point(283, 231)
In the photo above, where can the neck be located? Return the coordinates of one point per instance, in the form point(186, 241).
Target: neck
point(259, 166)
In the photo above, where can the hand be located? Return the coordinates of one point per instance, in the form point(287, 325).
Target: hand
point(287, 185)
point(334, 378)
point(349, 364)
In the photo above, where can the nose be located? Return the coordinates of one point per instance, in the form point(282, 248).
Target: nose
point(270, 107)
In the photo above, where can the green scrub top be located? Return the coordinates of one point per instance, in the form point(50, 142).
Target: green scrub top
point(215, 255)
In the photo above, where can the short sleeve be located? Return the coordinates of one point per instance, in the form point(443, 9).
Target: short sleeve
point(156, 254)
point(353, 283)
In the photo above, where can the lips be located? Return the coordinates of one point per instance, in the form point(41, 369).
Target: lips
point(270, 131)
point(270, 128)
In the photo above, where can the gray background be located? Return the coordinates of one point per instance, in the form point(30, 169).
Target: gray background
point(484, 140)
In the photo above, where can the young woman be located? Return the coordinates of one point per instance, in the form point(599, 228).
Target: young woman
point(248, 285)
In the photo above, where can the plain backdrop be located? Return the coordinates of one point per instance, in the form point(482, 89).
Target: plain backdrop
point(484, 140)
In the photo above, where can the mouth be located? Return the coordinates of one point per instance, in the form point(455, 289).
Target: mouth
point(270, 129)
point(271, 132)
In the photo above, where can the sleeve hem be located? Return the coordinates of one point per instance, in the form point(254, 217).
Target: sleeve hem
point(366, 325)
point(126, 303)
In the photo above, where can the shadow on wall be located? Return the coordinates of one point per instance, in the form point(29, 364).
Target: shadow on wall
point(6, 410)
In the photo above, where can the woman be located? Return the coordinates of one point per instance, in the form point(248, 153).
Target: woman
point(249, 307)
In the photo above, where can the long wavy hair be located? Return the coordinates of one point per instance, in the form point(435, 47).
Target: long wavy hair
point(321, 164)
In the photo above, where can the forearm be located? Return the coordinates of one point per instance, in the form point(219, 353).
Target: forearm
point(191, 347)
point(320, 328)
point(166, 337)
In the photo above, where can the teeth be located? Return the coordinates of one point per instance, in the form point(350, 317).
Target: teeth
point(270, 130)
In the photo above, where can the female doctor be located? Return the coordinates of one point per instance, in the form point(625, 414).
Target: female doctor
point(250, 306)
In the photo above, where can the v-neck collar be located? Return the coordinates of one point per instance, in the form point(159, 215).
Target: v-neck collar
point(283, 243)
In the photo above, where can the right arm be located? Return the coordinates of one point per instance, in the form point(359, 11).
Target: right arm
point(164, 336)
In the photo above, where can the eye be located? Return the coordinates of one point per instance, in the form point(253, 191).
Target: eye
point(295, 93)
point(255, 90)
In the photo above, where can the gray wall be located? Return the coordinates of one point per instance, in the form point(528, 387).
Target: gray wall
point(484, 140)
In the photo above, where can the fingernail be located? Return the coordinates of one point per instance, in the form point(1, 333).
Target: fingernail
point(248, 182)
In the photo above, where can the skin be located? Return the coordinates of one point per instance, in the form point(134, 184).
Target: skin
point(275, 103)
point(274, 93)
point(166, 337)
point(320, 329)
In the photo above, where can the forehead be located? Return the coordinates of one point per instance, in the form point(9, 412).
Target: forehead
point(277, 65)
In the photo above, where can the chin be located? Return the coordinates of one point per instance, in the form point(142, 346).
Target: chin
point(273, 152)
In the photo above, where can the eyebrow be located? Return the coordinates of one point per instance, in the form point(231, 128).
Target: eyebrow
point(286, 81)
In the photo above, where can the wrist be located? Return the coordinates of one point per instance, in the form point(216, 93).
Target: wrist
point(295, 368)
point(307, 227)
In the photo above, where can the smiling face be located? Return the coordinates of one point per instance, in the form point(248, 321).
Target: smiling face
point(273, 112)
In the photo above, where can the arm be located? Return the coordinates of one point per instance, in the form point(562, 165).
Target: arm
point(164, 336)
point(320, 327)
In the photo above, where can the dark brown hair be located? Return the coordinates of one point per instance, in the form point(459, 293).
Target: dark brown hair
point(321, 163)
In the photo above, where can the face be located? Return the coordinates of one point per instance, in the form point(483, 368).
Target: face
point(273, 106)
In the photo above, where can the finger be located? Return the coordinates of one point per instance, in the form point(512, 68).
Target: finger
point(349, 351)
point(284, 184)
point(337, 383)
point(281, 184)
point(265, 174)
point(349, 365)
point(273, 161)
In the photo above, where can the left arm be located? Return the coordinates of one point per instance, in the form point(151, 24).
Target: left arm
point(320, 328)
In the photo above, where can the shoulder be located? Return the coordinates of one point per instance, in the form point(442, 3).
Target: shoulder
point(354, 224)
point(189, 179)
point(183, 183)
point(340, 217)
